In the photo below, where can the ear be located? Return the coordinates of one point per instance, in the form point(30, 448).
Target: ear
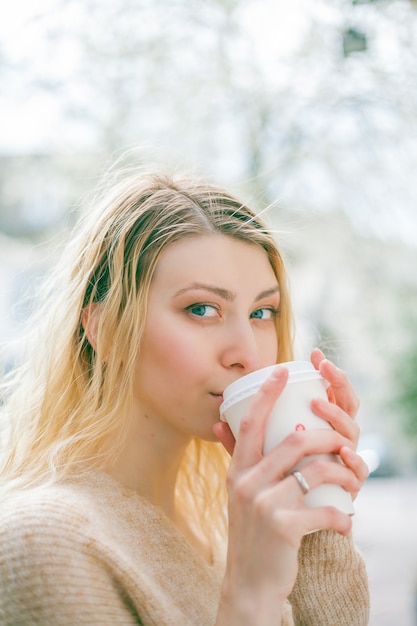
point(90, 318)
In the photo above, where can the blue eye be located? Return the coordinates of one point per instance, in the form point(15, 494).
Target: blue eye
point(263, 314)
point(203, 310)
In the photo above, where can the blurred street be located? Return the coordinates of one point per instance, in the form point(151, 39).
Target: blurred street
point(385, 528)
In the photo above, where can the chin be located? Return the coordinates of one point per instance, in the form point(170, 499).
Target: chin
point(207, 436)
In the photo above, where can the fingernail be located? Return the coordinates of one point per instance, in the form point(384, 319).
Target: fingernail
point(350, 453)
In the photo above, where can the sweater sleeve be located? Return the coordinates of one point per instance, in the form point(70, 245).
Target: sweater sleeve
point(332, 586)
point(50, 577)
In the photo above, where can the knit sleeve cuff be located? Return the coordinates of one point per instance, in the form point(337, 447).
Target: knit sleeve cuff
point(332, 585)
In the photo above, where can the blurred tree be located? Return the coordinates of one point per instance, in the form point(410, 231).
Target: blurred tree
point(404, 395)
point(261, 91)
point(407, 390)
point(353, 41)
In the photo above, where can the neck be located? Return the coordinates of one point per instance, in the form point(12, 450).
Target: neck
point(148, 463)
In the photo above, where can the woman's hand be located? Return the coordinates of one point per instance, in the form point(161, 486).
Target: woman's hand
point(340, 411)
point(267, 516)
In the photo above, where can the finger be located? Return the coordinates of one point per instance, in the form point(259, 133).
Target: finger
point(322, 471)
point(326, 518)
point(225, 436)
point(337, 418)
point(277, 464)
point(249, 444)
point(355, 463)
point(319, 471)
point(298, 445)
point(294, 519)
point(341, 390)
point(316, 473)
point(317, 357)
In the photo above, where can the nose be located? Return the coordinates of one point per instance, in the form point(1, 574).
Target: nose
point(240, 349)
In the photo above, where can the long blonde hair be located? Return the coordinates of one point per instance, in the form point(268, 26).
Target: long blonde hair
point(67, 403)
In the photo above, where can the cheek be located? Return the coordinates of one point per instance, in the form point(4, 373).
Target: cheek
point(268, 348)
point(170, 349)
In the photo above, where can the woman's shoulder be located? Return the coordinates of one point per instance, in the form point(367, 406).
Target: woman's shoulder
point(88, 514)
point(84, 506)
point(51, 523)
point(44, 510)
point(54, 544)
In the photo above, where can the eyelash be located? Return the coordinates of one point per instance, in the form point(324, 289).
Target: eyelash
point(198, 305)
point(274, 312)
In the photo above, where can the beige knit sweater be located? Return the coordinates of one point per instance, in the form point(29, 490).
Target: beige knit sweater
point(92, 552)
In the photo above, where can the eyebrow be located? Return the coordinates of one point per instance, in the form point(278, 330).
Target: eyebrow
point(226, 294)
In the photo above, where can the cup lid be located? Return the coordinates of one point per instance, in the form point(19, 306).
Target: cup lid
point(249, 384)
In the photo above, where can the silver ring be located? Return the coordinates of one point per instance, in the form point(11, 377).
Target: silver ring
point(305, 487)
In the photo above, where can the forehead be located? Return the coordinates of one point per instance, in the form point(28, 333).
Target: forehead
point(213, 257)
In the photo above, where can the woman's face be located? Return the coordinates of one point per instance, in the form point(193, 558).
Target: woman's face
point(210, 320)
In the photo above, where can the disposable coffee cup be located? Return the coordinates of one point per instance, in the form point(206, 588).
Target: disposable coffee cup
point(291, 412)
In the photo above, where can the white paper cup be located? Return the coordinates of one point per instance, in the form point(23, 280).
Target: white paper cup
point(291, 412)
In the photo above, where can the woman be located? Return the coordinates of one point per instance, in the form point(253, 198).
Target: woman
point(116, 508)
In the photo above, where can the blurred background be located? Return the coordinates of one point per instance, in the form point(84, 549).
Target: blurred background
point(308, 108)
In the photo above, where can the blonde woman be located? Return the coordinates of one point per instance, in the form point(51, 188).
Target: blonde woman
point(123, 498)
